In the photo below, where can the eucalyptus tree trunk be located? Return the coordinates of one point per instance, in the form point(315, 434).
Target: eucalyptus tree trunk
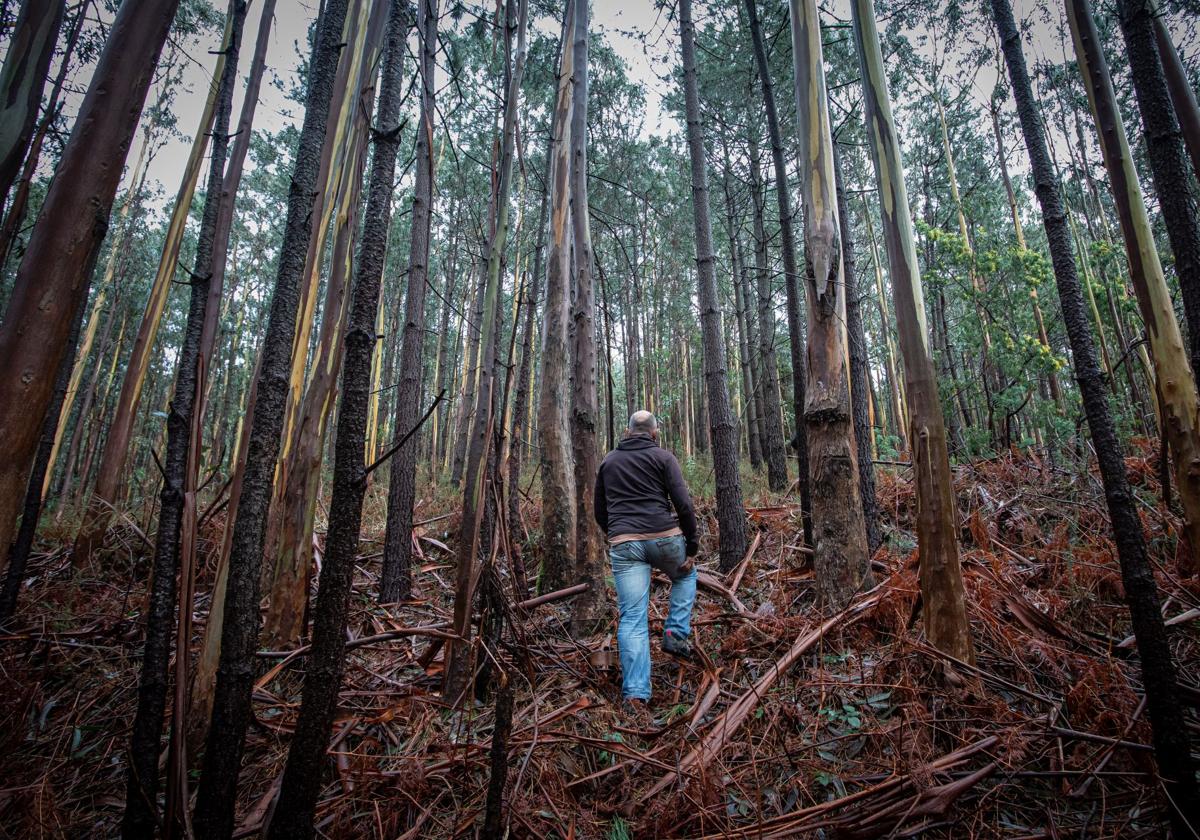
point(591, 607)
point(302, 776)
point(239, 633)
point(898, 411)
point(739, 301)
point(860, 367)
point(1170, 735)
point(338, 154)
point(30, 48)
point(731, 514)
point(18, 552)
point(841, 555)
point(141, 785)
point(1168, 161)
point(520, 420)
point(52, 279)
point(16, 210)
point(110, 483)
point(558, 482)
point(199, 691)
point(770, 415)
point(790, 270)
point(1176, 384)
point(117, 253)
point(479, 473)
point(943, 598)
point(470, 378)
point(396, 582)
point(300, 472)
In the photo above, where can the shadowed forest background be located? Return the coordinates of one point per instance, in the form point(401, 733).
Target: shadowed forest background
point(317, 319)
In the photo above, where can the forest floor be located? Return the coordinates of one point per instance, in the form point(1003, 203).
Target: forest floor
point(795, 723)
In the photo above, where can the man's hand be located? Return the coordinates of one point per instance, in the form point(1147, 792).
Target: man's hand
point(693, 548)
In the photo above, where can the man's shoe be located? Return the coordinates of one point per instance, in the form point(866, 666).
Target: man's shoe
point(677, 646)
point(636, 712)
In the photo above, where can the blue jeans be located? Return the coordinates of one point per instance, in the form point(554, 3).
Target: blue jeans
point(631, 565)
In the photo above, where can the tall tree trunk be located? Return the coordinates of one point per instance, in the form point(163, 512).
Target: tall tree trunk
point(590, 607)
point(898, 410)
point(731, 514)
point(1176, 384)
point(30, 48)
point(1168, 161)
point(323, 673)
point(944, 602)
point(304, 453)
point(841, 555)
point(16, 211)
point(481, 455)
point(860, 373)
point(520, 422)
point(239, 632)
point(396, 582)
point(200, 690)
point(141, 783)
point(771, 417)
point(790, 270)
point(554, 437)
point(110, 484)
point(1183, 98)
point(471, 354)
point(1170, 736)
point(18, 552)
point(52, 279)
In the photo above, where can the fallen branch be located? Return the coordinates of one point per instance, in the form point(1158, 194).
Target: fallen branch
point(735, 715)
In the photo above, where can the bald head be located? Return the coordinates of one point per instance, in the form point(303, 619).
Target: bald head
point(642, 423)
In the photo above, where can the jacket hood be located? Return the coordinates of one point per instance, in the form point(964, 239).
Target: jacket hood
point(637, 442)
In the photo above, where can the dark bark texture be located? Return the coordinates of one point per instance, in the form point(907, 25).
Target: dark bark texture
point(1170, 736)
point(860, 382)
point(323, 672)
point(239, 633)
point(30, 48)
point(396, 583)
point(731, 515)
point(141, 784)
point(1168, 160)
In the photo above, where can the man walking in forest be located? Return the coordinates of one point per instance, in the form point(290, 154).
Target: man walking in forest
point(643, 505)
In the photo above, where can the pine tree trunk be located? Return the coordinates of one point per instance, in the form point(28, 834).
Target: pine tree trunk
point(1168, 161)
point(52, 279)
point(1176, 383)
point(731, 514)
point(1170, 736)
point(396, 582)
point(141, 790)
point(791, 275)
point(302, 777)
point(482, 454)
point(239, 633)
point(841, 555)
point(944, 602)
point(860, 373)
point(1183, 98)
point(771, 416)
point(558, 481)
point(304, 453)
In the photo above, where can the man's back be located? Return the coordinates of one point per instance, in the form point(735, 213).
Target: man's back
point(637, 486)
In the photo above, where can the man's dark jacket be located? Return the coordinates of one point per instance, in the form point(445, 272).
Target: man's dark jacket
point(637, 485)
